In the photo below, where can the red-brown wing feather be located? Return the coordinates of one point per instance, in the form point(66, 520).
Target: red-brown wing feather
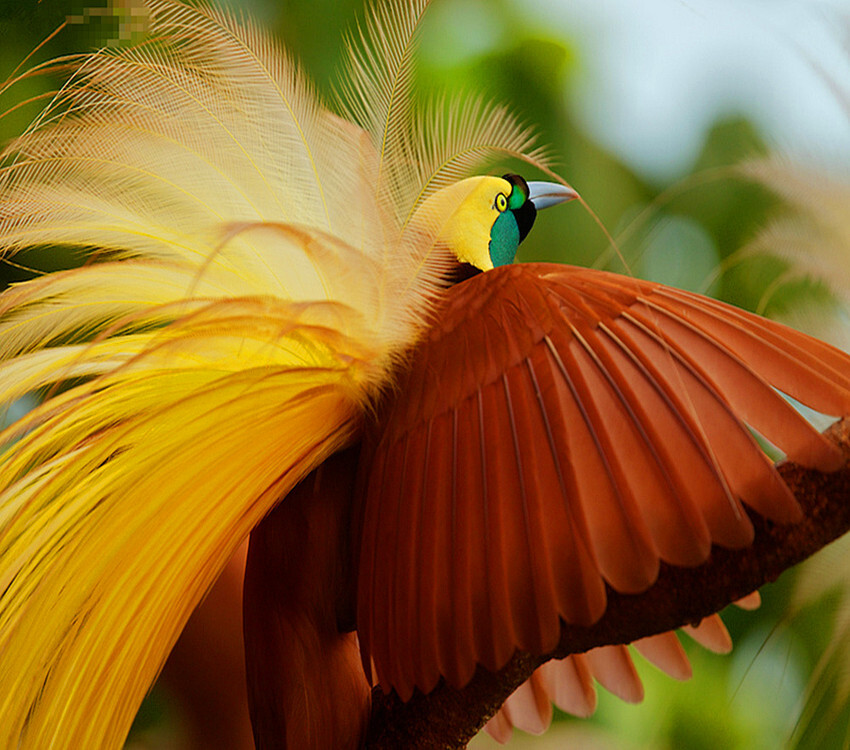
point(559, 429)
point(306, 686)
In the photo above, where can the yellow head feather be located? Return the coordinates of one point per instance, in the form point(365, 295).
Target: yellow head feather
point(462, 215)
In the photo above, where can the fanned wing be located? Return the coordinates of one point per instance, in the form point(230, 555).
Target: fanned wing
point(560, 429)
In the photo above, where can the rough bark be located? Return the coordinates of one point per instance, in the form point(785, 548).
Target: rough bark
point(449, 718)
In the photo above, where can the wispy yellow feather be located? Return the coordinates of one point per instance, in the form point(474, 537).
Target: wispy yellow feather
point(257, 274)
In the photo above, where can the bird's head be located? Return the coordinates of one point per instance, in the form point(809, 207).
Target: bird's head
point(482, 220)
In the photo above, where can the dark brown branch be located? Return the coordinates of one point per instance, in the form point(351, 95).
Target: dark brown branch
point(449, 718)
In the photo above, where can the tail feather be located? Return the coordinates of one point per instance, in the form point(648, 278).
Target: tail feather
point(128, 521)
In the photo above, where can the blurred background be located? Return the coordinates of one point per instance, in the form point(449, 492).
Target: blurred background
point(712, 139)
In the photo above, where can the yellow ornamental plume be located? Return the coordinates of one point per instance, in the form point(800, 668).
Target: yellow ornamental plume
point(255, 273)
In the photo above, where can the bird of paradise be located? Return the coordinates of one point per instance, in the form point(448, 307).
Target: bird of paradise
point(289, 303)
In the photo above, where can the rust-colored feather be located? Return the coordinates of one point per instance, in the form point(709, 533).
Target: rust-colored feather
point(562, 429)
point(306, 687)
point(569, 683)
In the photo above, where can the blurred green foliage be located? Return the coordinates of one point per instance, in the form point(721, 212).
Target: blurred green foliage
point(685, 234)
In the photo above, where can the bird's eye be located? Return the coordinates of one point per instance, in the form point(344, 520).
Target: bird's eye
point(502, 202)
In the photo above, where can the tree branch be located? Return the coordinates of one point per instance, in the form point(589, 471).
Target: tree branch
point(449, 718)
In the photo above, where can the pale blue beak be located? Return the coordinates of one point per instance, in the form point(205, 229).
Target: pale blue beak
point(545, 194)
